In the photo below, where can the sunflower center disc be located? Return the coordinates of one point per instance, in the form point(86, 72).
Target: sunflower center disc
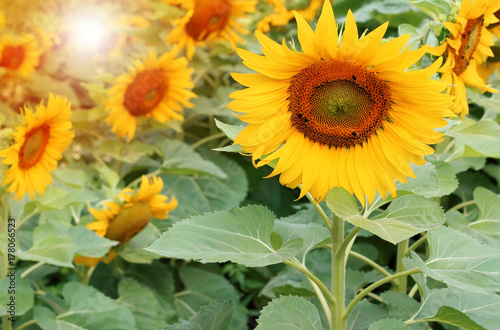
point(145, 92)
point(34, 146)
point(469, 41)
point(12, 57)
point(337, 103)
point(129, 222)
point(209, 16)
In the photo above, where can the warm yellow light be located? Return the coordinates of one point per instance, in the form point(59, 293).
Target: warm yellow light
point(89, 33)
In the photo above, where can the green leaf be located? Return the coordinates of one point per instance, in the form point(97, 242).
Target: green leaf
point(433, 179)
point(88, 243)
point(52, 244)
point(400, 305)
point(58, 198)
point(357, 279)
point(312, 234)
point(134, 251)
point(18, 288)
point(202, 288)
point(241, 235)
point(230, 130)
point(364, 314)
point(459, 260)
point(433, 8)
point(142, 302)
point(464, 309)
point(488, 222)
point(405, 217)
point(110, 176)
point(209, 317)
point(388, 324)
point(483, 137)
point(289, 312)
point(88, 308)
point(73, 177)
point(129, 153)
point(179, 158)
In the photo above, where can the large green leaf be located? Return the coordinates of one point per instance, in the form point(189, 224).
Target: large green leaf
point(388, 324)
point(467, 310)
point(18, 288)
point(129, 153)
point(434, 179)
point(364, 314)
point(312, 234)
point(52, 244)
point(142, 302)
point(179, 158)
point(289, 312)
point(230, 130)
point(482, 138)
point(202, 288)
point(209, 317)
point(488, 222)
point(57, 198)
point(201, 194)
point(459, 260)
point(86, 308)
point(88, 243)
point(134, 251)
point(242, 235)
point(405, 217)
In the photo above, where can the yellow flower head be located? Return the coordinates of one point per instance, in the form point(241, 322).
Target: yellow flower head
point(156, 87)
point(122, 222)
point(209, 20)
point(468, 46)
point(342, 113)
point(37, 148)
point(19, 54)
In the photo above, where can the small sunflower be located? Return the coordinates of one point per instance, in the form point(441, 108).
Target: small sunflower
point(209, 20)
point(468, 46)
point(121, 222)
point(37, 148)
point(283, 12)
point(156, 87)
point(339, 114)
point(19, 54)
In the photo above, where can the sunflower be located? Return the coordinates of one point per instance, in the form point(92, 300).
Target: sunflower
point(156, 87)
point(209, 20)
point(122, 222)
point(283, 12)
point(19, 54)
point(339, 114)
point(495, 27)
point(37, 148)
point(468, 46)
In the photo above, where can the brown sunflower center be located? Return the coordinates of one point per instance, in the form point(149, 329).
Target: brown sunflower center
point(34, 146)
point(337, 103)
point(129, 222)
point(209, 16)
point(145, 92)
point(12, 57)
point(469, 41)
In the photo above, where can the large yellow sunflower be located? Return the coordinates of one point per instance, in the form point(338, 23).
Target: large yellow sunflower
point(342, 113)
point(209, 20)
point(156, 87)
point(37, 148)
point(468, 46)
point(19, 54)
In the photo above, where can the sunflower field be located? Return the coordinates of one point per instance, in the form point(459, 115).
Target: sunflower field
point(250, 164)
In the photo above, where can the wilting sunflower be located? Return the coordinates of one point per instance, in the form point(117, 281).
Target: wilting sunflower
point(283, 12)
point(37, 148)
point(156, 87)
point(121, 221)
point(468, 46)
point(209, 20)
point(341, 113)
point(19, 54)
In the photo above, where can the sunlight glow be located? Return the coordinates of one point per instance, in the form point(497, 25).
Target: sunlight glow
point(88, 34)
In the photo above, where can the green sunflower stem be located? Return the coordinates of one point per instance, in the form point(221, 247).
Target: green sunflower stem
point(338, 273)
point(401, 254)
